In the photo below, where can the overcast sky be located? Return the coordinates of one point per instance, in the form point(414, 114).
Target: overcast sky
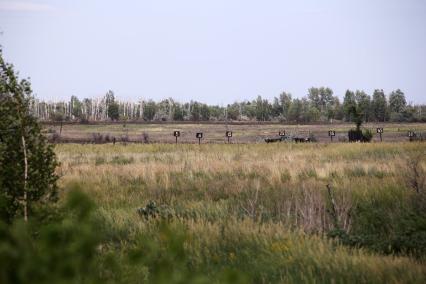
point(215, 51)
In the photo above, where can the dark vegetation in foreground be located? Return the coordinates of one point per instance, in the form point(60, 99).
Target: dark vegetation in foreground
point(74, 242)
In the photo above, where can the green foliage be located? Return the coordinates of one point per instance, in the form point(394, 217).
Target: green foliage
point(113, 111)
point(263, 109)
point(350, 106)
point(356, 107)
point(367, 134)
point(165, 257)
point(18, 124)
point(364, 135)
point(384, 224)
point(195, 111)
point(205, 112)
point(285, 101)
point(149, 110)
point(76, 107)
point(233, 111)
point(379, 105)
point(295, 111)
point(112, 107)
point(178, 113)
point(321, 98)
point(363, 105)
point(318, 106)
point(61, 251)
point(397, 102)
point(71, 249)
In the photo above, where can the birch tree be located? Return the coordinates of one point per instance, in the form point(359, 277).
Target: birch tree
point(27, 162)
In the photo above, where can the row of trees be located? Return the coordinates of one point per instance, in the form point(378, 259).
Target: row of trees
point(320, 105)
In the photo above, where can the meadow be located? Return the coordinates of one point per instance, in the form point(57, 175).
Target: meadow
point(256, 213)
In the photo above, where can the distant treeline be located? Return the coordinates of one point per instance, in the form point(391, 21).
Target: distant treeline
point(320, 105)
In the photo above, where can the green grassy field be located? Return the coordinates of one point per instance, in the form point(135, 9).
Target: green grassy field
point(257, 213)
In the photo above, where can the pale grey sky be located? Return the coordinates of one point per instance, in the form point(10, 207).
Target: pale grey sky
point(215, 51)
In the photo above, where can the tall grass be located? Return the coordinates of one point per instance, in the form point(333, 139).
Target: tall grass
point(264, 210)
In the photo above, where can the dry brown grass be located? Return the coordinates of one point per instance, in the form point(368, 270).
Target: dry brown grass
point(261, 208)
point(280, 179)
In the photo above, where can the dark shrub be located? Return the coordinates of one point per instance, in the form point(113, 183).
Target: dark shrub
point(357, 135)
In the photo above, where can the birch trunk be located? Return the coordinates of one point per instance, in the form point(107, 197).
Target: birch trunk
point(25, 202)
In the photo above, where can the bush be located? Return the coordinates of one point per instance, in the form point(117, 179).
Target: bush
point(63, 251)
point(388, 224)
point(367, 135)
point(358, 135)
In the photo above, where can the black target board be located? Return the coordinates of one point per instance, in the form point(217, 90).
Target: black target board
point(331, 133)
point(228, 135)
point(199, 136)
point(176, 134)
point(379, 130)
